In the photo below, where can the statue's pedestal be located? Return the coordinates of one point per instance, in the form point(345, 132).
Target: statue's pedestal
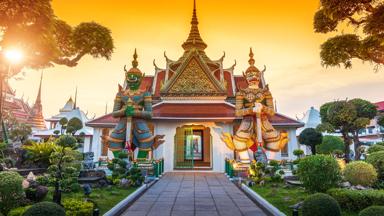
point(241, 169)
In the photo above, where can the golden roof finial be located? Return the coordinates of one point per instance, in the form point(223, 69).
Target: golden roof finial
point(135, 63)
point(194, 39)
point(251, 61)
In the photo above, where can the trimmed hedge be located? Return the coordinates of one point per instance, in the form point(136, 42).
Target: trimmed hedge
point(356, 200)
point(319, 173)
point(18, 211)
point(375, 148)
point(74, 207)
point(11, 191)
point(360, 173)
point(45, 209)
point(377, 160)
point(320, 204)
point(373, 211)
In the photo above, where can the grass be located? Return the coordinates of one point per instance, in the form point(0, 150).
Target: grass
point(282, 196)
point(106, 198)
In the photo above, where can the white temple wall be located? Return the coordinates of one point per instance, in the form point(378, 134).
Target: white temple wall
point(219, 150)
point(96, 144)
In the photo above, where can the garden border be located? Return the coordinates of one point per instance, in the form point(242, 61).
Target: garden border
point(120, 207)
point(268, 207)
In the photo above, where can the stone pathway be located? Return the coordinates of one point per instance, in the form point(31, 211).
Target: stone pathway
point(190, 194)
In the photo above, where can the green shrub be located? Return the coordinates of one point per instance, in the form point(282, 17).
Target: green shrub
point(380, 143)
point(319, 172)
point(42, 180)
point(360, 173)
point(75, 207)
point(18, 211)
point(356, 200)
point(377, 160)
point(40, 152)
point(11, 191)
point(320, 204)
point(330, 144)
point(373, 211)
point(45, 209)
point(298, 153)
point(375, 148)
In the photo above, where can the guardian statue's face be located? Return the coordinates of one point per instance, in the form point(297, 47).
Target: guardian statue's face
point(133, 80)
point(253, 78)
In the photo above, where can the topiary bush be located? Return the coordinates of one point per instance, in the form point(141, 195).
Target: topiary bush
point(74, 207)
point(372, 211)
point(360, 173)
point(18, 211)
point(377, 160)
point(11, 191)
point(357, 200)
point(330, 144)
point(375, 148)
point(45, 209)
point(320, 204)
point(319, 173)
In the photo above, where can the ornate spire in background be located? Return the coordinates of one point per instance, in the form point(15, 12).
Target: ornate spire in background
point(194, 39)
point(36, 118)
point(75, 103)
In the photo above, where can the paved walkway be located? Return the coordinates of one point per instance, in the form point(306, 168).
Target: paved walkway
point(199, 194)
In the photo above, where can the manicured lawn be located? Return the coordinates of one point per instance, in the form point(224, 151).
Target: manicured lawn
point(106, 198)
point(282, 196)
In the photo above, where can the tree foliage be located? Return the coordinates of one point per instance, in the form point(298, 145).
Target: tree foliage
point(46, 40)
point(311, 138)
point(74, 124)
point(330, 144)
point(20, 132)
point(64, 168)
point(366, 43)
point(347, 117)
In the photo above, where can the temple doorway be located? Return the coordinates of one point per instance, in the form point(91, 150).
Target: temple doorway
point(193, 147)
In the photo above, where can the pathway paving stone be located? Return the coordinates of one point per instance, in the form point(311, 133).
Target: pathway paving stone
point(193, 194)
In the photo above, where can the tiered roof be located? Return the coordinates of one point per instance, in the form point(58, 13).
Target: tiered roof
point(36, 118)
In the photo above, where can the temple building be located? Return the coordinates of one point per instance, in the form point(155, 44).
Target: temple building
point(69, 110)
point(36, 118)
point(19, 110)
point(193, 104)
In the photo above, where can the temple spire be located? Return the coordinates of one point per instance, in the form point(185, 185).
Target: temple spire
point(38, 98)
point(75, 103)
point(194, 39)
point(135, 63)
point(251, 61)
point(36, 118)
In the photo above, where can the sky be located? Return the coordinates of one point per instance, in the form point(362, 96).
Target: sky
point(279, 31)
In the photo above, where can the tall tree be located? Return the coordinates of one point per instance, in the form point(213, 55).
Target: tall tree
point(45, 40)
point(365, 111)
point(74, 124)
point(347, 118)
point(310, 137)
point(380, 122)
point(366, 43)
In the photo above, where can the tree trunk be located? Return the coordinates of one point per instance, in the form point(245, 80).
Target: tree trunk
point(347, 142)
point(357, 145)
point(313, 149)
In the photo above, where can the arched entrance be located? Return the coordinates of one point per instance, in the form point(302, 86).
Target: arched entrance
point(193, 147)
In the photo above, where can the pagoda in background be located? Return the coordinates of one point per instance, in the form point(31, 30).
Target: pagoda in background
point(36, 118)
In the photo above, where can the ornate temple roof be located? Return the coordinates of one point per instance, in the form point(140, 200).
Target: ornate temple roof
point(380, 106)
point(36, 118)
point(69, 106)
point(311, 119)
point(195, 87)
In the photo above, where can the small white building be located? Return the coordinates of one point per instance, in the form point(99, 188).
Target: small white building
point(69, 111)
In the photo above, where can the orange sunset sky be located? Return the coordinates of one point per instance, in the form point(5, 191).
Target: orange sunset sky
point(279, 31)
